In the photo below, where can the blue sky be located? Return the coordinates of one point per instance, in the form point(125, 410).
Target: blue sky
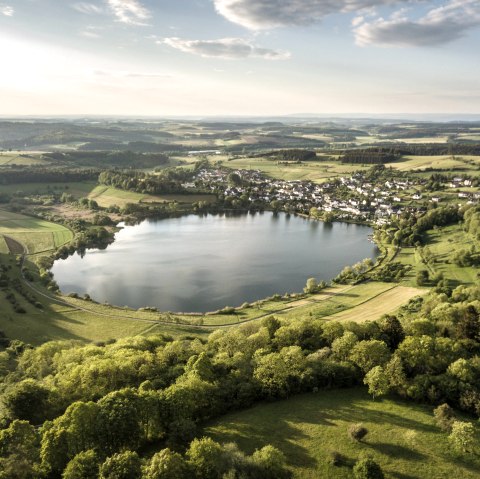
point(239, 57)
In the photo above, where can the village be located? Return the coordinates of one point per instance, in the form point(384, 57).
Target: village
point(361, 197)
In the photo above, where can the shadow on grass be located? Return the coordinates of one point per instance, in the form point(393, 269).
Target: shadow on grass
point(396, 451)
point(249, 438)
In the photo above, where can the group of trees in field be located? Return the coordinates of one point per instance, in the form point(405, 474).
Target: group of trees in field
point(108, 159)
point(408, 229)
point(166, 181)
point(68, 405)
point(295, 154)
point(46, 175)
point(370, 156)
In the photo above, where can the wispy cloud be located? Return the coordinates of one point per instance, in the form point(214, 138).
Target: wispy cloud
point(439, 26)
point(129, 11)
point(261, 14)
point(6, 10)
point(91, 31)
point(229, 48)
point(87, 8)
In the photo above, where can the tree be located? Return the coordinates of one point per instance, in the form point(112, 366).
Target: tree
point(119, 422)
point(28, 400)
point(391, 331)
point(368, 354)
point(234, 179)
point(167, 465)
point(357, 431)
point(19, 455)
point(124, 465)
point(343, 346)
point(272, 462)
point(422, 277)
point(462, 436)
point(444, 417)
point(206, 458)
point(311, 286)
point(82, 466)
point(367, 469)
point(377, 382)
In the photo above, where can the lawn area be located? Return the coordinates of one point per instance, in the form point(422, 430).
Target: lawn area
point(402, 436)
point(36, 234)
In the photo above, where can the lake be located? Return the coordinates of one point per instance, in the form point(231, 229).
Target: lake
point(203, 263)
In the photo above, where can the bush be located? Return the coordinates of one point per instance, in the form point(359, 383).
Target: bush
point(357, 432)
point(367, 469)
point(444, 417)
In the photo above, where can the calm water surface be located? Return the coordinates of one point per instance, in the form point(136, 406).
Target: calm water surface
point(203, 263)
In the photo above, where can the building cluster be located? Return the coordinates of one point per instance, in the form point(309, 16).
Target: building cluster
point(356, 197)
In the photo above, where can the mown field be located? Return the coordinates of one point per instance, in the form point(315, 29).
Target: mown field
point(317, 171)
point(466, 163)
point(402, 436)
point(35, 234)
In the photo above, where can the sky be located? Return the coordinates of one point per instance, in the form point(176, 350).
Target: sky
point(239, 57)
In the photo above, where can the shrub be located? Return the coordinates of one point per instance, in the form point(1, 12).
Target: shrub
point(462, 436)
point(444, 417)
point(367, 469)
point(357, 432)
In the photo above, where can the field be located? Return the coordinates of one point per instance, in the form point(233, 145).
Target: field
point(384, 303)
point(402, 436)
point(441, 243)
point(107, 196)
point(468, 164)
point(77, 189)
point(35, 234)
point(317, 171)
point(20, 158)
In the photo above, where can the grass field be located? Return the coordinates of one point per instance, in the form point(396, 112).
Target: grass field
point(22, 158)
point(77, 189)
point(317, 171)
point(402, 436)
point(441, 162)
point(442, 243)
point(385, 303)
point(108, 196)
point(36, 234)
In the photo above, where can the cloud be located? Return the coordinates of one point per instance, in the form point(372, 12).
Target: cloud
point(261, 14)
point(91, 31)
point(6, 10)
point(129, 11)
point(439, 26)
point(230, 48)
point(87, 8)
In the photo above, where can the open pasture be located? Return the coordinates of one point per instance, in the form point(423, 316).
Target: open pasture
point(402, 437)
